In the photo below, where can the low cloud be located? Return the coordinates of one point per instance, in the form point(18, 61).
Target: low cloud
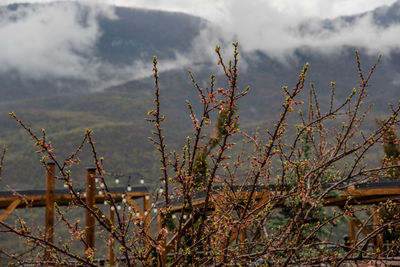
point(280, 28)
point(55, 40)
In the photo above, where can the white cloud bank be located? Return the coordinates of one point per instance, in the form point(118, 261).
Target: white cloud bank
point(271, 26)
point(58, 40)
point(213, 10)
point(53, 40)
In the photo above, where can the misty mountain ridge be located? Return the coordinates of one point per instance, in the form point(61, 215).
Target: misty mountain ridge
point(126, 41)
point(121, 43)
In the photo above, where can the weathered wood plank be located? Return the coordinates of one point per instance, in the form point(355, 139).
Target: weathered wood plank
point(9, 209)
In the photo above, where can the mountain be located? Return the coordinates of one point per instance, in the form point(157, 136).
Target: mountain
point(141, 34)
point(111, 45)
point(66, 107)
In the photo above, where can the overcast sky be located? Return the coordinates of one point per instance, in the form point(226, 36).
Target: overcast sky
point(271, 26)
point(214, 9)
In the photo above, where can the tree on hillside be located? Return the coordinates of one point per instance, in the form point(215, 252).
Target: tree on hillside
point(391, 212)
point(220, 199)
point(391, 148)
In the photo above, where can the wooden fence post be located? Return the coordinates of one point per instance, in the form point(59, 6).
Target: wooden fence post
point(352, 232)
point(111, 247)
point(146, 208)
point(49, 216)
point(377, 225)
point(90, 201)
